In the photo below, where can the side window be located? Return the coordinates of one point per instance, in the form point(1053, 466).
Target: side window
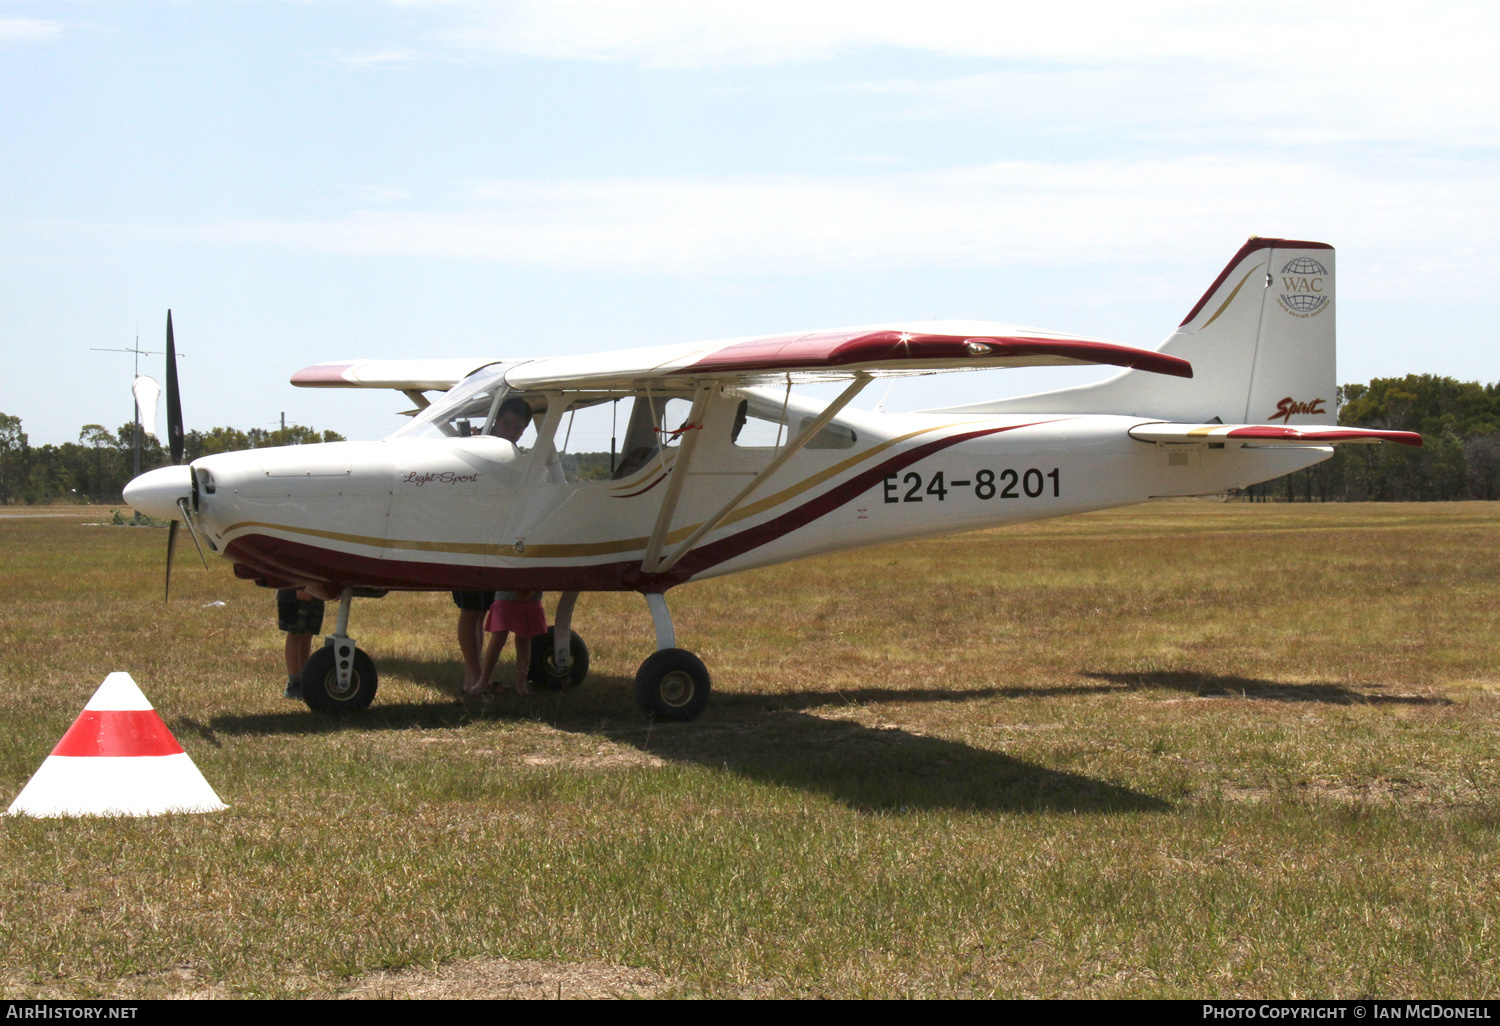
point(652, 423)
point(639, 443)
point(760, 424)
point(833, 436)
point(588, 438)
point(674, 414)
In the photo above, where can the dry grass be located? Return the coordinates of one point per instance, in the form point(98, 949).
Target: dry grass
point(1179, 749)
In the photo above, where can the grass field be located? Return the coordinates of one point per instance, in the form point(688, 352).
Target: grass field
point(1182, 749)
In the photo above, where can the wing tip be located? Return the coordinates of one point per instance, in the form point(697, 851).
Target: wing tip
point(322, 375)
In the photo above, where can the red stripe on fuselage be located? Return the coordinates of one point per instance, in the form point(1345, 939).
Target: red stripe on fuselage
point(311, 564)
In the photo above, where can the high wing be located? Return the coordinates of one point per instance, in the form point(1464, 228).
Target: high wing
point(1264, 434)
point(879, 351)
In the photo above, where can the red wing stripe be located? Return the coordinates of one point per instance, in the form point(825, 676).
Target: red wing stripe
point(891, 348)
point(118, 732)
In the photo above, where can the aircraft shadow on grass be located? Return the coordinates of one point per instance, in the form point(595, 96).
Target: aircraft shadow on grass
point(766, 738)
point(1207, 685)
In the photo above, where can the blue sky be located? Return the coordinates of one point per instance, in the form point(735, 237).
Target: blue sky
point(309, 180)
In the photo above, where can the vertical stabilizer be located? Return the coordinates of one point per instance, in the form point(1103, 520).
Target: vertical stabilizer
point(1261, 342)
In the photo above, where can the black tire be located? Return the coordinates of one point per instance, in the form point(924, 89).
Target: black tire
point(673, 684)
point(320, 683)
point(545, 673)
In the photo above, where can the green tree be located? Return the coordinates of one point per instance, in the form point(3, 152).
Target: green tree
point(14, 457)
point(97, 437)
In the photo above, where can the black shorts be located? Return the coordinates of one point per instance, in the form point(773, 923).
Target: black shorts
point(298, 616)
point(473, 601)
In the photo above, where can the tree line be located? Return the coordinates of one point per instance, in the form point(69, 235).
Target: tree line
point(1459, 459)
point(97, 466)
point(1459, 421)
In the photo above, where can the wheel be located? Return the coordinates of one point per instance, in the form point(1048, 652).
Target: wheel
point(672, 684)
point(320, 683)
point(545, 673)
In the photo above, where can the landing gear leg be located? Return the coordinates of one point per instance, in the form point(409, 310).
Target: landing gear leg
point(560, 659)
point(339, 677)
point(672, 684)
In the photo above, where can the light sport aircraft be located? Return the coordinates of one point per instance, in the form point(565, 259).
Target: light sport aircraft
point(719, 473)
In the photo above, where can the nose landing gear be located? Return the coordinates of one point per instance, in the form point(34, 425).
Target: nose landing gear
point(339, 677)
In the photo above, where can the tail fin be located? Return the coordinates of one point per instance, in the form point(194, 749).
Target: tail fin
point(1261, 342)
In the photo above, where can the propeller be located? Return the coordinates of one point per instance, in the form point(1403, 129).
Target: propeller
point(175, 447)
point(174, 398)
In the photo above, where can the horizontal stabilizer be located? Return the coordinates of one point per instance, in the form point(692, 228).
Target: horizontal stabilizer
point(1273, 434)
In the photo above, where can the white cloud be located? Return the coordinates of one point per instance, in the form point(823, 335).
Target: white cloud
point(1429, 224)
point(378, 193)
point(1209, 108)
point(1194, 70)
point(28, 30)
point(694, 33)
point(376, 58)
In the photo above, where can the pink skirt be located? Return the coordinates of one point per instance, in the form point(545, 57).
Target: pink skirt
point(523, 619)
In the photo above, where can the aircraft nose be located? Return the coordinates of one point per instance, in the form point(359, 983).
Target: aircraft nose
point(155, 493)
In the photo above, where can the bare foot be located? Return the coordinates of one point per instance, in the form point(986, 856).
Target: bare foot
point(523, 688)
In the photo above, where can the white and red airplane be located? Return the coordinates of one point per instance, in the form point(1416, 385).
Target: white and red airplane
point(723, 469)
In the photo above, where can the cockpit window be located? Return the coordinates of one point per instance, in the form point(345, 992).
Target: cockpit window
point(468, 408)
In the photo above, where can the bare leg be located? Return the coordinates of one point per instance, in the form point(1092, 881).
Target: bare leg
point(470, 642)
point(298, 648)
point(492, 650)
point(523, 665)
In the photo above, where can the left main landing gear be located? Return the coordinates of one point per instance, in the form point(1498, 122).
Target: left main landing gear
point(559, 658)
point(672, 684)
point(339, 677)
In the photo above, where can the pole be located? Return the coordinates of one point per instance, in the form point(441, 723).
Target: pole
point(136, 404)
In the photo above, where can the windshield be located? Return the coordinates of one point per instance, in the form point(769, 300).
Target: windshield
point(465, 409)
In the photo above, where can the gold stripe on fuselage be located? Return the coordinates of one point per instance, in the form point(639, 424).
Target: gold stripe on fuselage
point(544, 551)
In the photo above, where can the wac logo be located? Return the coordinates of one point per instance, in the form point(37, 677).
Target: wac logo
point(1289, 408)
point(1303, 284)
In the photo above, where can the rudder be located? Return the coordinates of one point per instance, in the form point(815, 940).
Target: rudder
point(1261, 341)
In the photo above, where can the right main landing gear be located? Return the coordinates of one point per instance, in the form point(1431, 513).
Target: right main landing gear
point(672, 684)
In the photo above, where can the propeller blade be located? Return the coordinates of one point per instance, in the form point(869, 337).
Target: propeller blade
point(187, 518)
point(174, 398)
point(171, 547)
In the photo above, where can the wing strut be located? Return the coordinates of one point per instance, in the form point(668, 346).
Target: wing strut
point(793, 446)
point(691, 428)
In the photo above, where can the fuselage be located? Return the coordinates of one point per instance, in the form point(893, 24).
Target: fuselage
point(480, 513)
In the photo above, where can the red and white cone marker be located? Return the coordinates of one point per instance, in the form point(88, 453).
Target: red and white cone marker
point(117, 759)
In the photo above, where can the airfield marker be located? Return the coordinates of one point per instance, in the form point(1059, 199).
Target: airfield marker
point(117, 759)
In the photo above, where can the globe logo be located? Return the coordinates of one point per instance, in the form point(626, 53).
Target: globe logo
point(1304, 282)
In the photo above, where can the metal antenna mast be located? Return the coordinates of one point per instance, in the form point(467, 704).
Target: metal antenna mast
point(134, 402)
